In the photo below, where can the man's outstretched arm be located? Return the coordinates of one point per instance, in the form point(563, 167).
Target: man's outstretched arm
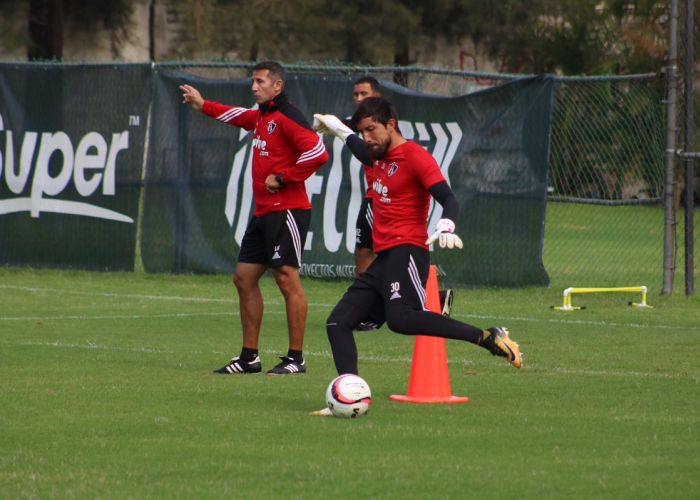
point(332, 125)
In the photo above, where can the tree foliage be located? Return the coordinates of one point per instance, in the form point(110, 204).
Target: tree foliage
point(530, 36)
point(538, 36)
point(566, 36)
point(112, 15)
point(46, 21)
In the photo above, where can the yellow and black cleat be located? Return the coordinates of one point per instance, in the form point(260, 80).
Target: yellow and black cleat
point(497, 340)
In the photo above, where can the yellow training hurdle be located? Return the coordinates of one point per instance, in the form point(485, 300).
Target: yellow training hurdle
point(572, 290)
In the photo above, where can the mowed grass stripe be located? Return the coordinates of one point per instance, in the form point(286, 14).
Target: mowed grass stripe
point(112, 407)
point(327, 306)
point(373, 359)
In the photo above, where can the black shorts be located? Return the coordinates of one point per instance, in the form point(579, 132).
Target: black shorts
point(276, 239)
point(363, 226)
point(396, 277)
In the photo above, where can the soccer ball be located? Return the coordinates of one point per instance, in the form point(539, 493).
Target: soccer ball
point(348, 396)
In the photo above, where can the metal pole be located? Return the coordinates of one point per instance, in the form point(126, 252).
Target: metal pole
point(689, 161)
point(671, 97)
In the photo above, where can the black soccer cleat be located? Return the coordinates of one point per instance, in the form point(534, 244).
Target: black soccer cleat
point(238, 366)
point(497, 341)
point(446, 298)
point(288, 366)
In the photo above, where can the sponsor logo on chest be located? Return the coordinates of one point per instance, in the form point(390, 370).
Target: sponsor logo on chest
point(260, 145)
point(381, 191)
point(379, 187)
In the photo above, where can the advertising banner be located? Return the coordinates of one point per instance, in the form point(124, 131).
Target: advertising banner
point(71, 156)
point(492, 147)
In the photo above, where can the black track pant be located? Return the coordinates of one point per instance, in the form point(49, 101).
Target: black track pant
point(392, 290)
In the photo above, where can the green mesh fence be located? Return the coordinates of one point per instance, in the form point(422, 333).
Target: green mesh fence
point(491, 145)
point(606, 164)
point(604, 221)
point(604, 218)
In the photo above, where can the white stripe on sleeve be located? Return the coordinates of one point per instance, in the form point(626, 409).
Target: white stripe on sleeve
point(315, 152)
point(230, 114)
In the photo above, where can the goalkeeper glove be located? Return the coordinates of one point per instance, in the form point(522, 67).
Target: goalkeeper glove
point(444, 232)
point(330, 124)
point(319, 126)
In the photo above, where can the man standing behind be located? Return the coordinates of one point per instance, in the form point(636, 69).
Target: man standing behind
point(364, 87)
point(286, 152)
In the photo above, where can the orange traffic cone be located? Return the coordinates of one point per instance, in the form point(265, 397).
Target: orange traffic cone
point(429, 381)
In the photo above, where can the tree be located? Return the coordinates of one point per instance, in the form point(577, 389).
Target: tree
point(47, 20)
point(562, 36)
point(113, 15)
point(45, 25)
point(362, 31)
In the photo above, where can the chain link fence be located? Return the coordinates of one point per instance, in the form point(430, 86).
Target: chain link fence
point(605, 216)
point(604, 223)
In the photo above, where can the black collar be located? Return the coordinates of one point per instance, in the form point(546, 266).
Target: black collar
point(279, 101)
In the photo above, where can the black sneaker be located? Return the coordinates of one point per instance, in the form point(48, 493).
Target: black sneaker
point(446, 298)
point(288, 366)
point(237, 365)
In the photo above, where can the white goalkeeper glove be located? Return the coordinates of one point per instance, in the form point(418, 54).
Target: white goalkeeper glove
point(444, 232)
point(319, 126)
point(331, 124)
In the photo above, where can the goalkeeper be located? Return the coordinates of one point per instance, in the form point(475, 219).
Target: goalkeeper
point(393, 287)
point(363, 88)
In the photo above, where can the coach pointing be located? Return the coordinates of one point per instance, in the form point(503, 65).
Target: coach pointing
point(286, 152)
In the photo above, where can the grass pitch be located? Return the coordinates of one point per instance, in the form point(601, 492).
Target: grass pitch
point(106, 391)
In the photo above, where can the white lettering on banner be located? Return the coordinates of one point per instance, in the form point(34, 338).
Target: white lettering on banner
point(328, 270)
point(446, 136)
point(357, 180)
point(314, 185)
point(17, 181)
point(85, 161)
point(91, 165)
point(232, 187)
point(43, 183)
point(331, 236)
point(238, 173)
point(445, 161)
point(406, 129)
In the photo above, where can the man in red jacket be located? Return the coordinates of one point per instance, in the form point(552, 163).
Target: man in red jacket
point(286, 152)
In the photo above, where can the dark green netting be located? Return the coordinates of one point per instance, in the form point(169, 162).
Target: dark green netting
point(491, 145)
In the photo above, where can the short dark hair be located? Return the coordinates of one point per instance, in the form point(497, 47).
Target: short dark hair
point(373, 82)
point(377, 108)
point(276, 70)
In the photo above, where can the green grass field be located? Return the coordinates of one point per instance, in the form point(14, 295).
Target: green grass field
point(106, 391)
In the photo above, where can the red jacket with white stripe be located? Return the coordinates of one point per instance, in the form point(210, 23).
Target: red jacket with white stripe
point(283, 143)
